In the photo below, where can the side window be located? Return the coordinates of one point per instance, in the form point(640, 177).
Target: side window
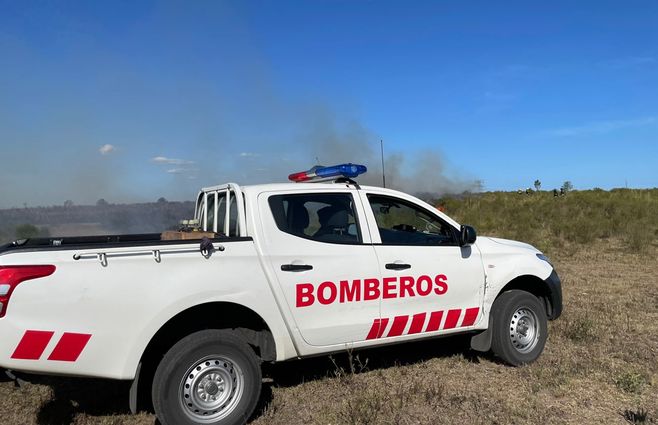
point(402, 223)
point(323, 217)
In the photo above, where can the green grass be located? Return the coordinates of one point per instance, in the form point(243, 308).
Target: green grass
point(631, 381)
point(554, 224)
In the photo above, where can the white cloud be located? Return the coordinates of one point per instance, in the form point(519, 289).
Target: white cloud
point(170, 161)
point(602, 127)
point(248, 155)
point(176, 166)
point(106, 149)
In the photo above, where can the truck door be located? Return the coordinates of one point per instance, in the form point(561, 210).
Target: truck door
point(429, 284)
point(319, 248)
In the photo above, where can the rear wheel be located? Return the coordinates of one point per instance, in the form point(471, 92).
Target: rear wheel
point(520, 327)
point(208, 377)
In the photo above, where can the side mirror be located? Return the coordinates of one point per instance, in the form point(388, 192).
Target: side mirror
point(467, 235)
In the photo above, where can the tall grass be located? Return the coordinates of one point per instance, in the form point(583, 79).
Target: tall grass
point(550, 222)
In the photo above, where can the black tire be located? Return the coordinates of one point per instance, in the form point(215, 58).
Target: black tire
point(520, 327)
point(208, 377)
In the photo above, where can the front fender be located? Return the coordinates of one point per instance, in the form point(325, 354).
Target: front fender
point(549, 289)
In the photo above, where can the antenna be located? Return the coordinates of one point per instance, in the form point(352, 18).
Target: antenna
point(381, 144)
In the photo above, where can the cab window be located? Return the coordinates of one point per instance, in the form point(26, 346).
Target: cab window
point(403, 223)
point(322, 217)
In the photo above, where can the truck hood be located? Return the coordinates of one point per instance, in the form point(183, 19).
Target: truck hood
point(487, 244)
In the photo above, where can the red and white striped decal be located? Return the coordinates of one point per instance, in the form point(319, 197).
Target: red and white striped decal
point(34, 343)
point(420, 321)
point(69, 347)
point(378, 327)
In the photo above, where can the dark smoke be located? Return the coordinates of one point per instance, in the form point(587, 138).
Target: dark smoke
point(325, 140)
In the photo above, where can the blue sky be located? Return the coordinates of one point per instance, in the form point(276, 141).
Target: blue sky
point(135, 100)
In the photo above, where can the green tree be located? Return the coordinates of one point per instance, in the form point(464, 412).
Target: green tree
point(567, 186)
point(26, 231)
point(537, 185)
point(101, 203)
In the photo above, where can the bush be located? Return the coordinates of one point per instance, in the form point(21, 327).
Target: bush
point(630, 382)
point(26, 231)
point(549, 222)
point(580, 329)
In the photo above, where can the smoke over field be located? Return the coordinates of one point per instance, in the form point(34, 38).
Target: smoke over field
point(85, 220)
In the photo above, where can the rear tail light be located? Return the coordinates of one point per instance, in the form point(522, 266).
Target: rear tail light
point(11, 276)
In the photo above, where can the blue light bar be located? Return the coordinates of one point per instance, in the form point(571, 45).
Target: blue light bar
point(342, 170)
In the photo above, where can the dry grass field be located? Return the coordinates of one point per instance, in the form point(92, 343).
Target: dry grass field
point(600, 365)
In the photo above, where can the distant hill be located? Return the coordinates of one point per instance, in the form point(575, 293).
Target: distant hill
point(79, 220)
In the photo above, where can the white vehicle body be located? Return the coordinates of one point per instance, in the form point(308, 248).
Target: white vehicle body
point(100, 311)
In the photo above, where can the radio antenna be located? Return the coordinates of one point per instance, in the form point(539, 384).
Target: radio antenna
point(381, 144)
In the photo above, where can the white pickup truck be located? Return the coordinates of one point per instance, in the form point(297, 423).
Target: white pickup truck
point(293, 270)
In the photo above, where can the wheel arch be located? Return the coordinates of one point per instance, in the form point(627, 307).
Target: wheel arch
point(528, 283)
point(248, 324)
point(534, 285)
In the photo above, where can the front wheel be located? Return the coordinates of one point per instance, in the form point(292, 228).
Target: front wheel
point(520, 327)
point(208, 377)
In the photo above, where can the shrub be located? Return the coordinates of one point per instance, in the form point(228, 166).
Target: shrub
point(630, 382)
point(26, 231)
point(548, 222)
point(638, 237)
point(580, 329)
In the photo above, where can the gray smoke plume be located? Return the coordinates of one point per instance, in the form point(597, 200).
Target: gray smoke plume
point(324, 139)
point(218, 115)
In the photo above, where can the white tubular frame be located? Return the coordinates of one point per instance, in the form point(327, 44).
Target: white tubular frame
point(214, 191)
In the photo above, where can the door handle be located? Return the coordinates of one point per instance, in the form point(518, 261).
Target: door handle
point(296, 267)
point(398, 266)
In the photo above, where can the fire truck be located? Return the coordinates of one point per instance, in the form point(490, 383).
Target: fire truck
point(274, 272)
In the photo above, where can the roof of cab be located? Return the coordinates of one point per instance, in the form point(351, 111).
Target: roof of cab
point(291, 186)
point(296, 186)
point(283, 186)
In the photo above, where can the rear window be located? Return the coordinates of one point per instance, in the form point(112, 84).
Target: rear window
point(322, 217)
